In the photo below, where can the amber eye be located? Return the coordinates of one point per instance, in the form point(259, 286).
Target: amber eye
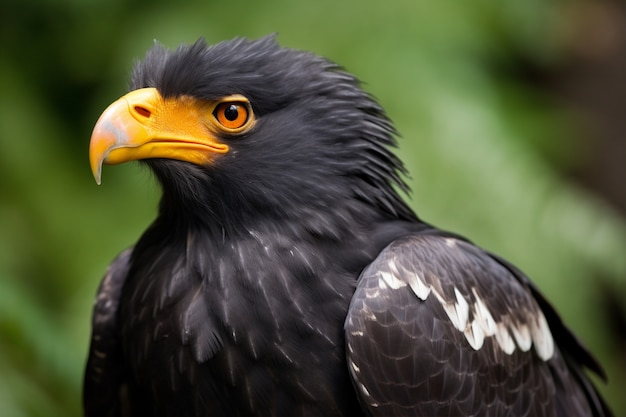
point(232, 114)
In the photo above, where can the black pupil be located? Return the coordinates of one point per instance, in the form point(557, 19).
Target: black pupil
point(231, 112)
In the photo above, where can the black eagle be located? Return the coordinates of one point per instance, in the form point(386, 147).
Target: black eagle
point(284, 275)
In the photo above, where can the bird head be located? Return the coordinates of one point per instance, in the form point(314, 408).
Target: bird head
point(250, 126)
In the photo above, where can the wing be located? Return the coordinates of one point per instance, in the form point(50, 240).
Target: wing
point(104, 392)
point(439, 327)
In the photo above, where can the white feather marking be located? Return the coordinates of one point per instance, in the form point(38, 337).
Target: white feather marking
point(355, 368)
point(458, 312)
point(382, 284)
point(542, 338)
point(504, 339)
point(419, 288)
point(450, 311)
point(483, 325)
point(483, 317)
point(393, 267)
point(475, 335)
point(389, 279)
point(462, 310)
point(522, 337)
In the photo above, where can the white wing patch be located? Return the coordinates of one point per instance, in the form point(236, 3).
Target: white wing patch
point(542, 338)
point(458, 312)
point(390, 280)
point(532, 330)
point(522, 337)
point(504, 339)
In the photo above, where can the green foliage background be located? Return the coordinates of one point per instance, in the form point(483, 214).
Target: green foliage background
point(484, 155)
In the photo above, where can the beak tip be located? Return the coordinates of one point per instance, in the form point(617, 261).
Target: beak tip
point(97, 174)
point(96, 169)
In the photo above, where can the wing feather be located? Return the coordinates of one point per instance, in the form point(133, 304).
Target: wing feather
point(438, 326)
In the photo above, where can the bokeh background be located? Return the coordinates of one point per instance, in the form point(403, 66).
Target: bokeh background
point(513, 124)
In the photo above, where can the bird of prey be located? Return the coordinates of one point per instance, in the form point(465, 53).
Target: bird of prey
point(284, 275)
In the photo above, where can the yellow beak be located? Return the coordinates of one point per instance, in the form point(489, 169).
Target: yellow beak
point(142, 124)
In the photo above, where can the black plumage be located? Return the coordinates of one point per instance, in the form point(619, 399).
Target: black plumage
point(286, 276)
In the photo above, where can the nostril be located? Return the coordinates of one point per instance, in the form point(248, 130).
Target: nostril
point(142, 111)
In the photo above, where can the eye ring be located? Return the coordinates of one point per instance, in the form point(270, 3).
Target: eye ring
point(232, 115)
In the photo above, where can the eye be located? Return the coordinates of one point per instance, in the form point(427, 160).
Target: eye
point(232, 115)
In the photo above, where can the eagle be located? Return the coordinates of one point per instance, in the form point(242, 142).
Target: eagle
point(285, 275)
